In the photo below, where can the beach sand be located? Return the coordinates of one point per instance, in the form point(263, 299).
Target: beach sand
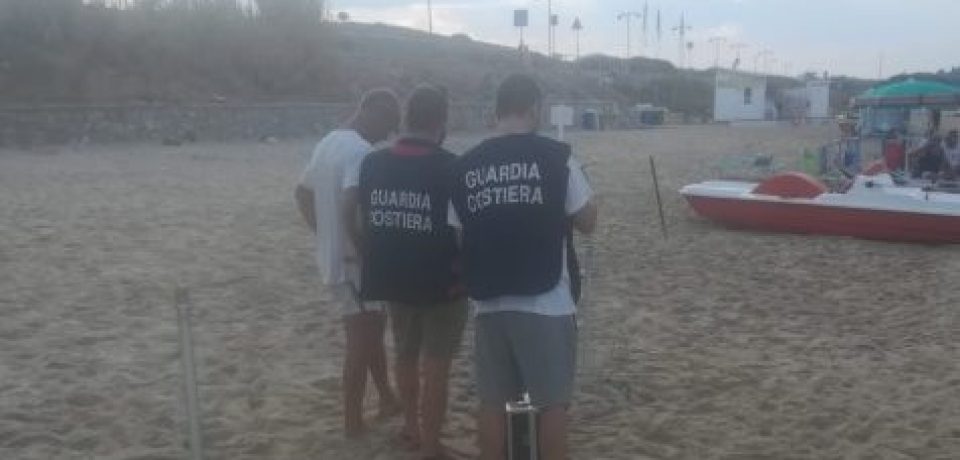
point(712, 344)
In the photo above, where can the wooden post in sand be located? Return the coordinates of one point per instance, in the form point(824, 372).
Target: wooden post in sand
point(189, 373)
point(656, 188)
point(586, 360)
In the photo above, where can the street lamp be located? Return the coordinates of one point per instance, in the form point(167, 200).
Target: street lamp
point(550, 25)
point(718, 43)
point(682, 30)
point(577, 27)
point(765, 56)
point(430, 16)
point(627, 16)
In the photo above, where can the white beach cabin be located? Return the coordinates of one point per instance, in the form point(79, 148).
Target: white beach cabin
point(739, 96)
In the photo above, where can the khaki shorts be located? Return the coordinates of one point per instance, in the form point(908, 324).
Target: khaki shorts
point(348, 294)
point(431, 330)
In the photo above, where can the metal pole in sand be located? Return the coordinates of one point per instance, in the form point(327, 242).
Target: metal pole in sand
point(189, 373)
point(522, 430)
point(656, 188)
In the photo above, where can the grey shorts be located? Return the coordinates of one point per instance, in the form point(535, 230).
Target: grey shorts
point(517, 352)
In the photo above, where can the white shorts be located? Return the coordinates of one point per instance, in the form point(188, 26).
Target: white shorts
point(348, 294)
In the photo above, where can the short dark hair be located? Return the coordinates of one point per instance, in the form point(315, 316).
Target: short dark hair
point(517, 94)
point(427, 108)
point(380, 100)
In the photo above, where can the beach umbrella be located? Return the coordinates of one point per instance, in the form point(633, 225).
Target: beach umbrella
point(911, 92)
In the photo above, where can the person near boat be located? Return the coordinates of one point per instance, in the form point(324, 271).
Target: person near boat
point(894, 151)
point(927, 160)
point(951, 154)
point(851, 159)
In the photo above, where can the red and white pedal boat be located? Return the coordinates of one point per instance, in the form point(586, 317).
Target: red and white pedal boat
point(872, 208)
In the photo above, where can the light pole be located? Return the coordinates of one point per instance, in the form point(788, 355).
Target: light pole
point(628, 15)
point(763, 55)
point(577, 27)
point(549, 28)
point(718, 43)
point(738, 47)
point(682, 31)
point(646, 20)
point(659, 33)
point(554, 22)
point(430, 16)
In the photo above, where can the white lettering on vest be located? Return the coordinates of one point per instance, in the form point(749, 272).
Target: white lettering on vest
point(403, 209)
point(509, 184)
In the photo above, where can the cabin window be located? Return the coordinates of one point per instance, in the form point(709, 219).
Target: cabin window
point(748, 96)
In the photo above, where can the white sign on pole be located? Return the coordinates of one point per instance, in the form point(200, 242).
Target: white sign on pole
point(561, 116)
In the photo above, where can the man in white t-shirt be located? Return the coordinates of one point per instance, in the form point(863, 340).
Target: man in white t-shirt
point(515, 197)
point(319, 198)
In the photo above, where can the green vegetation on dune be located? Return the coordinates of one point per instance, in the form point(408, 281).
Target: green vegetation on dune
point(65, 51)
point(172, 51)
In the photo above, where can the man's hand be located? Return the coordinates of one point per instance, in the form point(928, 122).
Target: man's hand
point(305, 204)
point(585, 220)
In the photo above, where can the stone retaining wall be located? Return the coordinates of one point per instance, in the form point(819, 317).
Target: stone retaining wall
point(24, 127)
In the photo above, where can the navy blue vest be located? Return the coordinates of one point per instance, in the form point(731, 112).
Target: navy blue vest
point(509, 193)
point(409, 249)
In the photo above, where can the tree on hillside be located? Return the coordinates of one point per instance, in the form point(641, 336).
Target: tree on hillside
point(163, 50)
point(47, 21)
point(291, 11)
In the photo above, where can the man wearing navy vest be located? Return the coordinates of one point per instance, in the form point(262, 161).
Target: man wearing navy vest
point(409, 252)
point(514, 197)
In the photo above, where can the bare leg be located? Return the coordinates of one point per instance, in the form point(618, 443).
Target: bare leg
point(376, 325)
point(436, 377)
point(354, 375)
point(408, 381)
point(553, 427)
point(492, 425)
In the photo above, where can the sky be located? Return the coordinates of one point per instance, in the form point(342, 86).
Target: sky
point(863, 38)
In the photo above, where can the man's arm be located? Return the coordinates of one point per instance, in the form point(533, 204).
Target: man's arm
point(581, 205)
point(350, 216)
point(585, 220)
point(922, 150)
point(305, 204)
point(453, 220)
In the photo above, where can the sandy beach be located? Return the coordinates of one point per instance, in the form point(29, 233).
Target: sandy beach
point(709, 344)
